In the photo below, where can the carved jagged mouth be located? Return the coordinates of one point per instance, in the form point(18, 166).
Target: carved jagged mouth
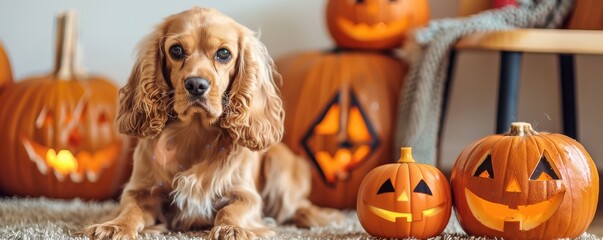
point(63, 163)
point(494, 215)
point(392, 216)
point(336, 166)
point(379, 31)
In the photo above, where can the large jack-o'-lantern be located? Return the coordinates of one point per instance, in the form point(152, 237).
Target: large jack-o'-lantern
point(340, 111)
point(57, 132)
point(525, 185)
point(374, 24)
point(404, 199)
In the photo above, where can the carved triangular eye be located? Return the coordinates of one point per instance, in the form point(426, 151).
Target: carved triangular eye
point(423, 188)
point(544, 171)
point(485, 169)
point(386, 187)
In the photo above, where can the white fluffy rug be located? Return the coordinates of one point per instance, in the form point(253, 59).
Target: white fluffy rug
point(41, 218)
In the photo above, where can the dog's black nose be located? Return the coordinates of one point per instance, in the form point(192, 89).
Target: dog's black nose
point(196, 86)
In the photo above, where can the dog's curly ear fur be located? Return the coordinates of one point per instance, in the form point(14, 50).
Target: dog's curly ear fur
point(254, 115)
point(143, 101)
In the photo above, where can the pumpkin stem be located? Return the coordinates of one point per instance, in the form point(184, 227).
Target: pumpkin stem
point(521, 129)
point(406, 155)
point(66, 45)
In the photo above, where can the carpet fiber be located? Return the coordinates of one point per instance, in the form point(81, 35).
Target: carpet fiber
point(41, 218)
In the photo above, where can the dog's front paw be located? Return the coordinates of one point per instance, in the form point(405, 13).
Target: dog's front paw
point(110, 230)
point(228, 232)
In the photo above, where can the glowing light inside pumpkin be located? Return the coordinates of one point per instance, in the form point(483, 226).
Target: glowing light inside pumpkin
point(341, 138)
point(64, 162)
point(378, 31)
point(336, 166)
point(356, 126)
point(330, 123)
point(392, 216)
point(494, 215)
point(403, 196)
point(513, 186)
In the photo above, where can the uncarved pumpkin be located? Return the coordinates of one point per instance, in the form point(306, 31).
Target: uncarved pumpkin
point(374, 24)
point(404, 199)
point(6, 74)
point(525, 185)
point(58, 135)
point(341, 109)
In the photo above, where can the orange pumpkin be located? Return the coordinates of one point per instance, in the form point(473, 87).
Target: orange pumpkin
point(404, 199)
point(6, 75)
point(341, 108)
point(525, 185)
point(374, 24)
point(58, 135)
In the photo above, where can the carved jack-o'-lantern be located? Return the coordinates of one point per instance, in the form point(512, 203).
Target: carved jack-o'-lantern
point(58, 133)
point(323, 144)
point(525, 185)
point(404, 199)
point(341, 107)
point(374, 24)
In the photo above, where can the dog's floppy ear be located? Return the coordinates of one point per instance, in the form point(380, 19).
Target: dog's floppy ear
point(143, 101)
point(254, 113)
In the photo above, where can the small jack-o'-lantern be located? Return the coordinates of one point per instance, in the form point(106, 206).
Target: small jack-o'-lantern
point(58, 133)
point(374, 24)
point(525, 185)
point(404, 199)
point(344, 105)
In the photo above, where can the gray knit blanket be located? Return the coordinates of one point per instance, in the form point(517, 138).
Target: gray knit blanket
point(427, 51)
point(42, 218)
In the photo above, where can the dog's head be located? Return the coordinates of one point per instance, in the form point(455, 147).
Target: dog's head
point(202, 63)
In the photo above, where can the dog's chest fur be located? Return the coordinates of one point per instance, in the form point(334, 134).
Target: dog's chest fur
point(199, 169)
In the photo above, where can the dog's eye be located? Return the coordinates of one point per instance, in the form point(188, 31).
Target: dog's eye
point(223, 55)
point(177, 52)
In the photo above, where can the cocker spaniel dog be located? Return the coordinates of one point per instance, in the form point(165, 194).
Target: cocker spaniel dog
point(203, 102)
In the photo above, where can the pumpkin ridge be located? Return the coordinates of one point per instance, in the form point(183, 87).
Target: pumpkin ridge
point(26, 93)
point(512, 145)
point(503, 140)
point(422, 168)
point(5, 114)
point(567, 142)
point(383, 172)
point(569, 184)
point(398, 166)
point(534, 140)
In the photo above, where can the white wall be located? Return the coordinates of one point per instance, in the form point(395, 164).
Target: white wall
point(111, 29)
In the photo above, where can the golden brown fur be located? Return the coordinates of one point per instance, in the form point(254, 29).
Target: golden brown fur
point(212, 161)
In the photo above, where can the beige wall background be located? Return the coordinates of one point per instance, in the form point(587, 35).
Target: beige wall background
point(111, 29)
